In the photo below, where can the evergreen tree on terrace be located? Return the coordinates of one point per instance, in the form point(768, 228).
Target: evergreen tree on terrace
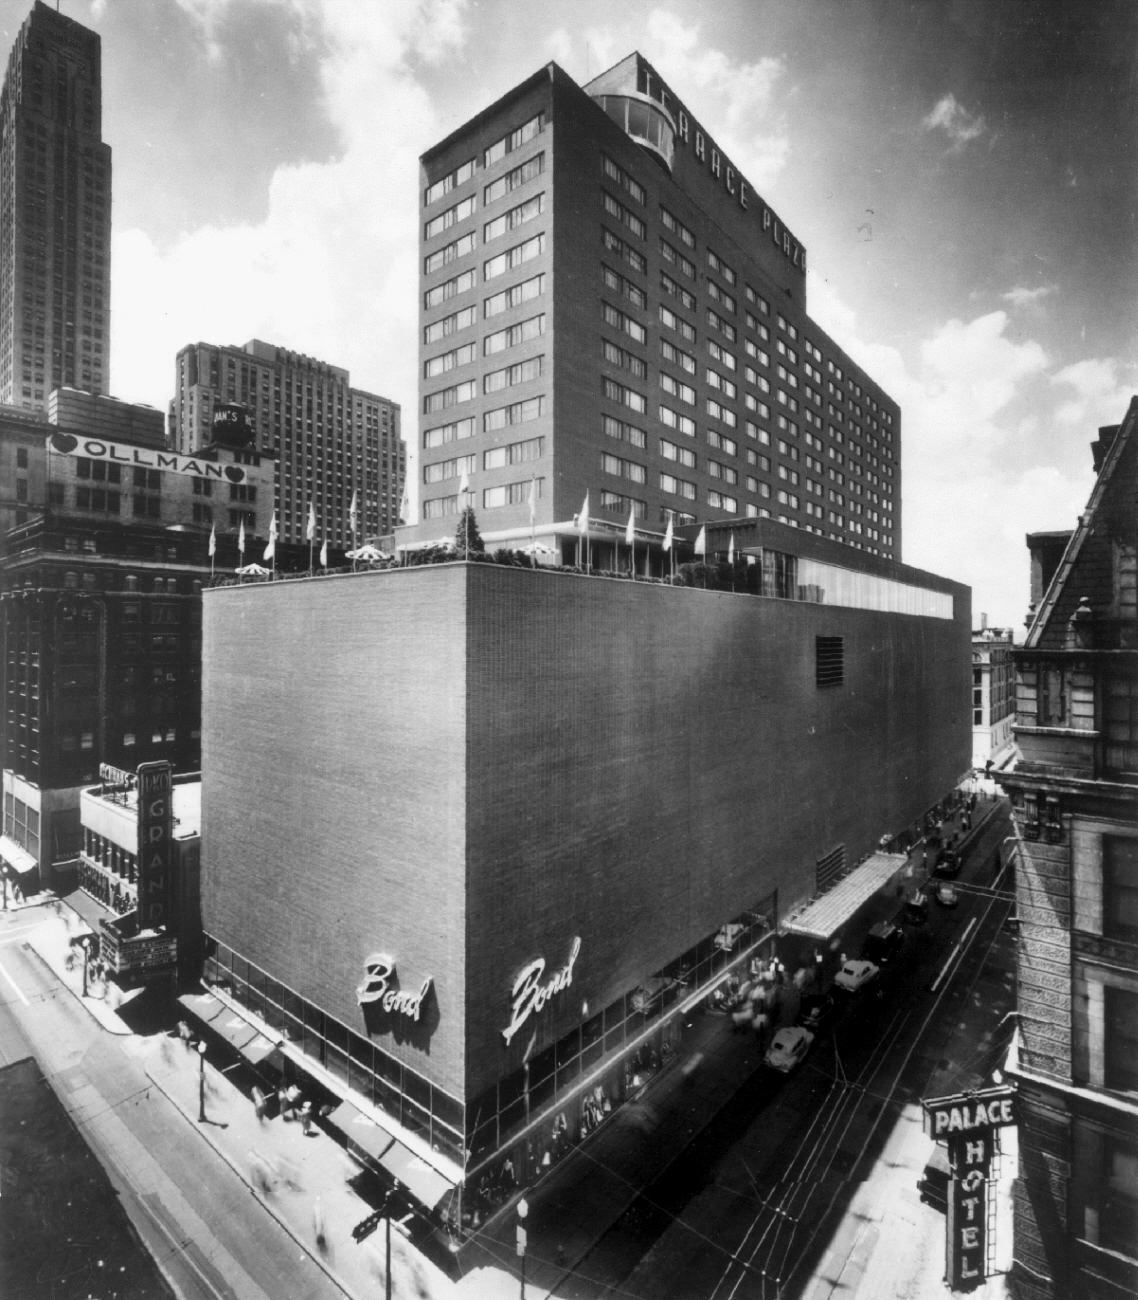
point(467, 538)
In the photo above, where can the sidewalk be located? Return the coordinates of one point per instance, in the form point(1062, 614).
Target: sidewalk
point(303, 1181)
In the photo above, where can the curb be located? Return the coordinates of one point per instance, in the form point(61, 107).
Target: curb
point(261, 1200)
point(120, 1031)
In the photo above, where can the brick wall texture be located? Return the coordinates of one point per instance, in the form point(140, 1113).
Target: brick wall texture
point(470, 766)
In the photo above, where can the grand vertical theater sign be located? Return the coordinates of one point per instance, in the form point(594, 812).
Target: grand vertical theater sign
point(155, 835)
point(969, 1123)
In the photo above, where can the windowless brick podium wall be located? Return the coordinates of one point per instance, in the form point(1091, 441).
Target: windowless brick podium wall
point(467, 767)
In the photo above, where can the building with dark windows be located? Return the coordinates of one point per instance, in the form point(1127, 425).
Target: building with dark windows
point(480, 939)
point(610, 311)
point(55, 214)
point(1074, 790)
point(331, 442)
point(100, 615)
point(993, 694)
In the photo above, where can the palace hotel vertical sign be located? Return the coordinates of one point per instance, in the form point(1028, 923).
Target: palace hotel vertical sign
point(969, 1122)
point(155, 832)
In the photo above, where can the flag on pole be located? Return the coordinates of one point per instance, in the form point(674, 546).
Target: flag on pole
point(271, 548)
point(701, 542)
point(583, 517)
point(310, 531)
point(405, 503)
point(241, 537)
point(731, 550)
point(352, 514)
point(668, 535)
point(212, 541)
point(533, 499)
point(324, 554)
point(630, 531)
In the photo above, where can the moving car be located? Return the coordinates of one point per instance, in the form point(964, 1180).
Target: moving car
point(788, 1048)
point(917, 908)
point(946, 894)
point(856, 975)
point(883, 943)
point(947, 863)
point(815, 1010)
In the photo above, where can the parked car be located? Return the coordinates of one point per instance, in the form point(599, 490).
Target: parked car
point(946, 893)
point(816, 1010)
point(788, 1048)
point(856, 975)
point(917, 908)
point(883, 943)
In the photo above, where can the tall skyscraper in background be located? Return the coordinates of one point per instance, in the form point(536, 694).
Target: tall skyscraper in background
point(55, 214)
point(332, 442)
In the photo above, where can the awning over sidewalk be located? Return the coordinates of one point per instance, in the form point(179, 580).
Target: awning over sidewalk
point(19, 859)
point(202, 1006)
point(372, 1138)
point(826, 915)
point(422, 1181)
point(238, 1032)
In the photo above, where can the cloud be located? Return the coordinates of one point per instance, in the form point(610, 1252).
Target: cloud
point(977, 475)
point(330, 271)
point(951, 117)
point(1099, 391)
point(1020, 297)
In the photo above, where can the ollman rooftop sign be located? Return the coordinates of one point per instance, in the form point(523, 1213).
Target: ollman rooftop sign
point(121, 453)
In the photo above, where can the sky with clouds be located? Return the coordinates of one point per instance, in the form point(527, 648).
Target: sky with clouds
point(963, 173)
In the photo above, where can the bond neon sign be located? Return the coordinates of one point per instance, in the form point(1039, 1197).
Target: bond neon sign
point(379, 972)
point(530, 994)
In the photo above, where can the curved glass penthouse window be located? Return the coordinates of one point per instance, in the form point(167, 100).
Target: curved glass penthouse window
point(645, 121)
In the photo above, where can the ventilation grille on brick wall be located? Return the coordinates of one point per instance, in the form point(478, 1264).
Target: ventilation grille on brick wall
point(829, 660)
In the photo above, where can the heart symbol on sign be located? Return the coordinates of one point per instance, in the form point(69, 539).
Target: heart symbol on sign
point(63, 442)
point(235, 474)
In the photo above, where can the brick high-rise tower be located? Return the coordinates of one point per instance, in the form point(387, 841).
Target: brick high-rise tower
point(55, 214)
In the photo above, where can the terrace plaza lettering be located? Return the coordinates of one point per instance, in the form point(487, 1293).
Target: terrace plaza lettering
point(66, 444)
point(530, 994)
point(705, 150)
point(379, 971)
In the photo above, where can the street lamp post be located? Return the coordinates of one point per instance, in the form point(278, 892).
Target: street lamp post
point(4, 879)
point(523, 1210)
point(387, 1255)
point(201, 1082)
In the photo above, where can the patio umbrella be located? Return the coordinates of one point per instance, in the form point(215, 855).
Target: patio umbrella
point(369, 553)
point(252, 571)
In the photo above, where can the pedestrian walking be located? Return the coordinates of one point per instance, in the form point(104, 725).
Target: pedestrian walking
point(306, 1119)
